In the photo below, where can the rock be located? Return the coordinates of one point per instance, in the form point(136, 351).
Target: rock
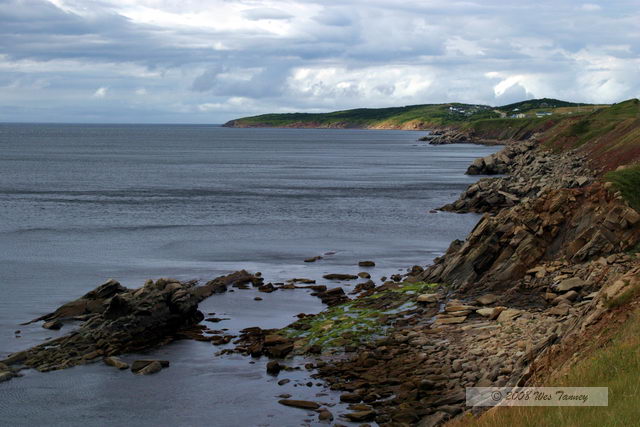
point(486, 312)
point(360, 416)
point(350, 398)
point(139, 365)
point(115, 362)
point(450, 320)
point(279, 351)
point(151, 368)
point(284, 381)
point(559, 310)
point(273, 367)
point(333, 296)
point(274, 339)
point(337, 276)
point(52, 324)
point(366, 264)
point(6, 376)
point(313, 259)
point(364, 275)
point(302, 404)
point(509, 315)
point(569, 284)
point(268, 288)
point(487, 299)
point(427, 298)
point(325, 415)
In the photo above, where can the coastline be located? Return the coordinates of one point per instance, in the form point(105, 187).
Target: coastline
point(413, 343)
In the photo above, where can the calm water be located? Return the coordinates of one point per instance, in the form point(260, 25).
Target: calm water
point(80, 204)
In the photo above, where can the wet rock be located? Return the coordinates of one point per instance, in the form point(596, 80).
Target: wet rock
point(139, 365)
point(364, 275)
point(313, 259)
point(6, 376)
point(325, 415)
point(333, 296)
point(273, 367)
point(366, 264)
point(268, 288)
point(52, 324)
point(337, 276)
point(115, 362)
point(284, 381)
point(360, 416)
point(150, 369)
point(350, 398)
point(302, 404)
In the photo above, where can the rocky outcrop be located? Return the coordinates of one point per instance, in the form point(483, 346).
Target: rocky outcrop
point(531, 170)
point(118, 320)
point(571, 224)
point(448, 136)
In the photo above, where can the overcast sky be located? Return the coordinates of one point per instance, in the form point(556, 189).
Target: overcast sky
point(208, 61)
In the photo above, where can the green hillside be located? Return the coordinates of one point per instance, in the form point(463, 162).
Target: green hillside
point(409, 117)
point(426, 116)
point(537, 104)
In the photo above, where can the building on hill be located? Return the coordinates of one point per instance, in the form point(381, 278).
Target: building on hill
point(543, 113)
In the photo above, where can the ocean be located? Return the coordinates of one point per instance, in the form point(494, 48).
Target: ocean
point(83, 203)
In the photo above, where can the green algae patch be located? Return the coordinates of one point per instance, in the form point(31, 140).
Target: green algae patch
point(358, 321)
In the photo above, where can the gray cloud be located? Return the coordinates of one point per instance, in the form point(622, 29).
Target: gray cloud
point(209, 61)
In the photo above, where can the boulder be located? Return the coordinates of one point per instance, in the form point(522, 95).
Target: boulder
point(360, 416)
point(115, 362)
point(572, 283)
point(302, 404)
point(350, 398)
point(150, 369)
point(509, 315)
point(427, 298)
point(273, 367)
point(367, 264)
point(487, 299)
point(139, 365)
point(338, 276)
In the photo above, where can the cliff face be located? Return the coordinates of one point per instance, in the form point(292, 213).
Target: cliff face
point(561, 224)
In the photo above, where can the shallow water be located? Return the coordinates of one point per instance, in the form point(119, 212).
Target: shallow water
point(82, 203)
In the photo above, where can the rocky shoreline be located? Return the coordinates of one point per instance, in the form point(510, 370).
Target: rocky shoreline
point(539, 268)
point(545, 263)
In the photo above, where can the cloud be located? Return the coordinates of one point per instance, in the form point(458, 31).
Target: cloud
point(213, 60)
point(265, 13)
point(101, 92)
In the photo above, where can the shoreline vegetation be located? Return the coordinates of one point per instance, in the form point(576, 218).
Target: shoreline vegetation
point(543, 291)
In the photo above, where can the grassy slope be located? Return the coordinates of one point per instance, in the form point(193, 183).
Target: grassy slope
point(410, 117)
point(611, 136)
point(615, 365)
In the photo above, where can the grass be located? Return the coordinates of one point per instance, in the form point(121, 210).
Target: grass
point(413, 116)
point(627, 181)
point(616, 366)
point(624, 298)
point(357, 321)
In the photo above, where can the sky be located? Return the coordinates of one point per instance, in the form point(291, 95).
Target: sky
point(209, 61)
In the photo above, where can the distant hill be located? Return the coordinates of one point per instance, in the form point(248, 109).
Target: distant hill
point(409, 117)
point(412, 117)
point(542, 103)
